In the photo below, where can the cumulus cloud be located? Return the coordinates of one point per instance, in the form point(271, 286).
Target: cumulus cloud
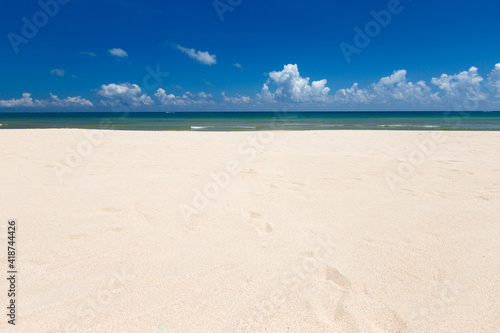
point(58, 72)
point(28, 101)
point(238, 99)
point(353, 95)
point(169, 99)
point(265, 95)
point(396, 87)
point(125, 93)
point(25, 101)
point(464, 85)
point(466, 89)
point(292, 87)
point(202, 57)
point(70, 101)
point(392, 89)
point(204, 95)
point(237, 65)
point(117, 52)
point(187, 98)
point(494, 81)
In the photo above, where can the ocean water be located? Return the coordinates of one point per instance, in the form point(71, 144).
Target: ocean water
point(254, 121)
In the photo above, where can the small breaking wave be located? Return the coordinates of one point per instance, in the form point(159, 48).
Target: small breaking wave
point(392, 125)
point(194, 128)
point(409, 125)
point(245, 127)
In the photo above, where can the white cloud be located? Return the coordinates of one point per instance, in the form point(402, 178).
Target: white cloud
point(202, 57)
point(465, 85)
point(70, 101)
point(494, 81)
point(125, 93)
point(205, 95)
point(238, 99)
point(186, 99)
point(58, 72)
point(169, 99)
point(146, 100)
point(117, 52)
point(265, 95)
point(353, 95)
point(396, 87)
point(394, 90)
point(27, 101)
point(114, 90)
point(237, 65)
point(290, 86)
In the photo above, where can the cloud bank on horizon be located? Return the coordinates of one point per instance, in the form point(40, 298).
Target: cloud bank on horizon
point(466, 90)
point(26, 101)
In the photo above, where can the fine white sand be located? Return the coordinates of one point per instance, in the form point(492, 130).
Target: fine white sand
point(314, 231)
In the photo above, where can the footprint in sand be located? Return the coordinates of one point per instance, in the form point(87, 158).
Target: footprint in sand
point(482, 197)
point(344, 308)
point(331, 291)
point(262, 227)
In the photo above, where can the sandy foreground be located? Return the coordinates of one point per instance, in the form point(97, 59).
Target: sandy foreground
point(314, 231)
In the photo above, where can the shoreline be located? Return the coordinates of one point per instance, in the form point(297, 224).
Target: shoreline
point(234, 121)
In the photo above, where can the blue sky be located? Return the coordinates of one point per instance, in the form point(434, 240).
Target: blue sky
point(262, 55)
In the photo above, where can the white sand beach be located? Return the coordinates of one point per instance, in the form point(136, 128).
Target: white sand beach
point(312, 231)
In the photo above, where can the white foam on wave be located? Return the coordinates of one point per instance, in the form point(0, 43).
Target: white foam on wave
point(392, 125)
point(409, 125)
point(200, 127)
point(330, 125)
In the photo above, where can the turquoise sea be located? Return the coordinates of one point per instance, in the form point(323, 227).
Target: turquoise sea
point(252, 121)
